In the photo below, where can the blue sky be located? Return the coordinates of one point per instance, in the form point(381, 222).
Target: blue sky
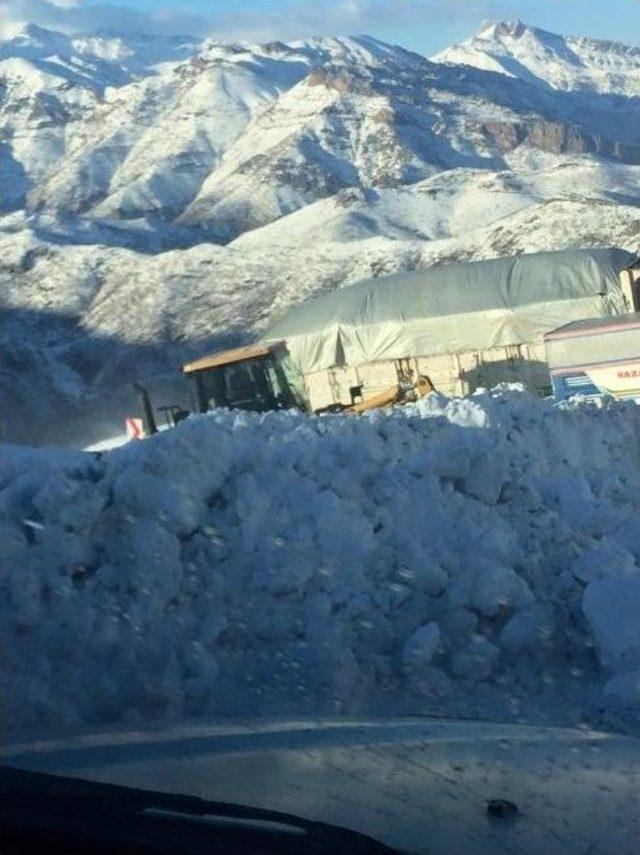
point(421, 25)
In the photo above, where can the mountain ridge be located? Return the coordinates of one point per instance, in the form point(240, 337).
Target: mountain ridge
point(515, 49)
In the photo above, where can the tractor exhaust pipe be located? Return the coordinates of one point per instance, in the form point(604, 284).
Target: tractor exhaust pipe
point(148, 420)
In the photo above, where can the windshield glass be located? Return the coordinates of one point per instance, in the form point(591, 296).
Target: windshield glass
point(255, 384)
point(320, 408)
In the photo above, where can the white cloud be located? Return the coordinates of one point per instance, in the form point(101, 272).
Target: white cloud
point(72, 16)
point(304, 18)
point(294, 19)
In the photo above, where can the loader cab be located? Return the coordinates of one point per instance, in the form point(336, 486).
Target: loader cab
point(258, 377)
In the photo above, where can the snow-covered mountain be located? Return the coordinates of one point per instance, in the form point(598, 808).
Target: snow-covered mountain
point(563, 63)
point(159, 195)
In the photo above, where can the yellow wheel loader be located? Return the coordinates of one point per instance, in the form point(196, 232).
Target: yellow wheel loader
point(261, 377)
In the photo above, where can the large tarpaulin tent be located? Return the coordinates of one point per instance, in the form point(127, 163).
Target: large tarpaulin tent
point(453, 308)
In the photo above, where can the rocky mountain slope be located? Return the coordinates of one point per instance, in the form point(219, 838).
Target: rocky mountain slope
point(163, 195)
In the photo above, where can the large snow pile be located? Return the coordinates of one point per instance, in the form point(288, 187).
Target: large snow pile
point(474, 556)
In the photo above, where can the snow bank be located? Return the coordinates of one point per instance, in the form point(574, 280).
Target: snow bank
point(472, 556)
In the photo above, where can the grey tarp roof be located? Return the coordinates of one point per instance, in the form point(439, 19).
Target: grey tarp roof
point(452, 308)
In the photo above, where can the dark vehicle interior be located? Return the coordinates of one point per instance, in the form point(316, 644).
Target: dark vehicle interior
point(51, 814)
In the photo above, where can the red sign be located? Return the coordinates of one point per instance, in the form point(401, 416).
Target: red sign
point(135, 429)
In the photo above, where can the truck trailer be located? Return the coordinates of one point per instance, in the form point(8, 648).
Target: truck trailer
point(596, 357)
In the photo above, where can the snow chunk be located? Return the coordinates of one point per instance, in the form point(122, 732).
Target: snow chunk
point(608, 559)
point(421, 646)
point(487, 474)
point(528, 630)
point(612, 607)
point(476, 661)
point(490, 589)
point(625, 689)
